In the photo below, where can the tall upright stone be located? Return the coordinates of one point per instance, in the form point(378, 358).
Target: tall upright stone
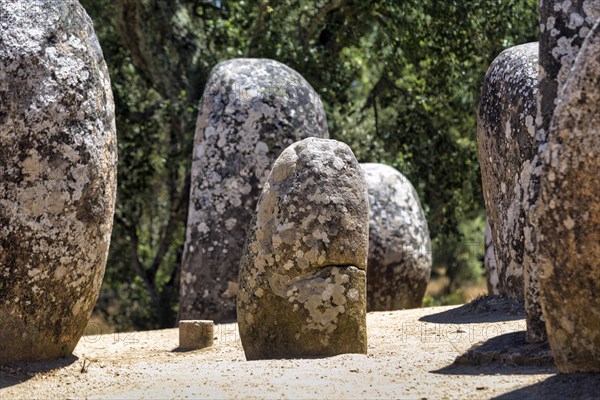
point(489, 262)
point(507, 150)
point(563, 28)
point(302, 277)
point(399, 264)
point(505, 136)
point(57, 176)
point(252, 109)
point(569, 217)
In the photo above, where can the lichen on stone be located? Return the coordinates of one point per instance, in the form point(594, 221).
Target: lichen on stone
point(489, 261)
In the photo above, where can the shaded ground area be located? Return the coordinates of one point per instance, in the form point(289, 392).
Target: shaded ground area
point(408, 358)
point(482, 309)
point(509, 348)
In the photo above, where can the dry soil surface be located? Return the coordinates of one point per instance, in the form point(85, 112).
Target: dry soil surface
point(411, 355)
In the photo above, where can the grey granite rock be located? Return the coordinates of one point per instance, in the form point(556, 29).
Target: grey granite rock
point(505, 136)
point(302, 277)
point(569, 217)
point(508, 149)
point(251, 111)
point(58, 176)
point(399, 264)
point(563, 27)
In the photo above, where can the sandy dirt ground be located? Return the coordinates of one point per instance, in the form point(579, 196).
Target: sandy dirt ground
point(410, 356)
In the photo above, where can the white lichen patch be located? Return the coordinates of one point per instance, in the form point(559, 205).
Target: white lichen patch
point(324, 299)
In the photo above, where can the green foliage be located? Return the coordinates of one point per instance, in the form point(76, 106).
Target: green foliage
point(400, 82)
point(461, 256)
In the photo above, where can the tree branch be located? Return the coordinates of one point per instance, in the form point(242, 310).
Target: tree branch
point(136, 264)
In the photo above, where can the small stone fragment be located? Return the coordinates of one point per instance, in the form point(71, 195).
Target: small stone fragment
point(252, 109)
point(399, 264)
point(302, 277)
point(196, 334)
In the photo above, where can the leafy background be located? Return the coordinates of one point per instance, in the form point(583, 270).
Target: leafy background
point(399, 79)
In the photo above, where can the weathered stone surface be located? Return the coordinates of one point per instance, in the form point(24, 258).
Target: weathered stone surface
point(505, 131)
point(507, 150)
point(58, 175)
point(563, 27)
point(489, 262)
point(569, 217)
point(399, 263)
point(251, 111)
point(302, 277)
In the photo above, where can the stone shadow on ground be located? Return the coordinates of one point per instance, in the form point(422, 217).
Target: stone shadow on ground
point(481, 310)
point(560, 386)
point(19, 372)
point(507, 354)
point(509, 349)
point(494, 369)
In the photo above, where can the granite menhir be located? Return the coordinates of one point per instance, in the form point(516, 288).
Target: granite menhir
point(58, 160)
point(252, 109)
point(303, 274)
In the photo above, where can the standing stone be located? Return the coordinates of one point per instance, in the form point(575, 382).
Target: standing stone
point(302, 276)
point(489, 262)
point(58, 176)
point(505, 136)
point(399, 264)
point(569, 217)
point(507, 152)
point(563, 27)
point(251, 111)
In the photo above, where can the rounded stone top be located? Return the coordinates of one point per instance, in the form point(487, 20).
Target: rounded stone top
point(41, 23)
point(241, 83)
point(302, 277)
point(315, 197)
point(394, 204)
point(383, 176)
point(510, 87)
